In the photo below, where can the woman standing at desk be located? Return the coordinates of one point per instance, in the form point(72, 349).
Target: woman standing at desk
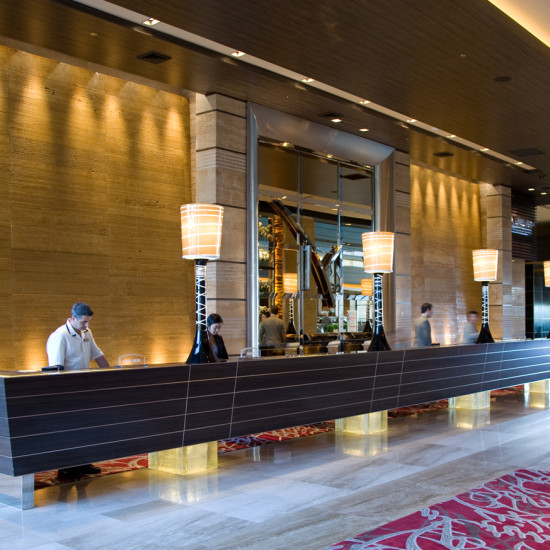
point(214, 324)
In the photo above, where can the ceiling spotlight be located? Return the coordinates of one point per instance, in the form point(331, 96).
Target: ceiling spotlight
point(285, 144)
point(411, 120)
point(364, 102)
point(237, 53)
point(363, 129)
point(531, 189)
point(451, 136)
point(336, 119)
point(329, 156)
point(544, 193)
point(150, 21)
point(484, 149)
point(308, 80)
point(519, 163)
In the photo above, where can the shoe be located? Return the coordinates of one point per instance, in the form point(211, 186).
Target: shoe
point(68, 474)
point(89, 469)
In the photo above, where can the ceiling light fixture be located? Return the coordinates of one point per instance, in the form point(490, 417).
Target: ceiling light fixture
point(519, 163)
point(531, 189)
point(451, 136)
point(150, 21)
point(363, 129)
point(484, 149)
point(237, 53)
point(308, 80)
point(364, 102)
point(336, 120)
point(411, 120)
point(544, 193)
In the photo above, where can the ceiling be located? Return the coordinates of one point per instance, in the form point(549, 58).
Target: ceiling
point(462, 67)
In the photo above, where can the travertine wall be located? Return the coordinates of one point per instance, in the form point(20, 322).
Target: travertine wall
point(445, 228)
point(92, 172)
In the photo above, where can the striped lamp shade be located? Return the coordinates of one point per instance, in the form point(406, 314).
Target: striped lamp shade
point(485, 264)
point(378, 251)
point(366, 287)
point(547, 273)
point(290, 283)
point(201, 231)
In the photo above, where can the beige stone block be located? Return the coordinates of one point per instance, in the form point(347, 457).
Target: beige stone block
point(218, 102)
point(233, 247)
point(401, 157)
point(219, 129)
point(402, 254)
point(402, 177)
point(226, 280)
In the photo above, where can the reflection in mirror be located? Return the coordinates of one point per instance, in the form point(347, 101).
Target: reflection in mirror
point(306, 198)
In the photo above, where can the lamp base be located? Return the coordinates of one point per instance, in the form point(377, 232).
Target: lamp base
point(202, 351)
point(485, 336)
point(379, 342)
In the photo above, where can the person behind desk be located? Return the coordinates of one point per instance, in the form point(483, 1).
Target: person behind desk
point(72, 347)
point(471, 331)
point(272, 332)
point(214, 324)
point(422, 327)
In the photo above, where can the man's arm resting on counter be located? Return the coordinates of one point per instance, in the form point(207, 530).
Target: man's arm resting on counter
point(102, 362)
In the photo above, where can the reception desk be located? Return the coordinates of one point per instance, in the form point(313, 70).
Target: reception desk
point(55, 420)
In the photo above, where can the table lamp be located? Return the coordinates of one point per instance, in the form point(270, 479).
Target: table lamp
point(485, 270)
point(378, 259)
point(201, 233)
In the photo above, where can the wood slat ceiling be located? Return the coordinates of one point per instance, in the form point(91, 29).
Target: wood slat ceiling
point(433, 60)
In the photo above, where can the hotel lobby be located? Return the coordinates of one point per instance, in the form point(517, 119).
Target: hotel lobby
point(123, 122)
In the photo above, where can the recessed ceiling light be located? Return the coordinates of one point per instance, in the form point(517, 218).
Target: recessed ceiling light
point(308, 80)
point(237, 53)
point(336, 119)
point(364, 102)
point(285, 144)
point(484, 149)
point(150, 21)
point(531, 189)
point(411, 120)
point(544, 193)
point(363, 129)
point(519, 163)
point(329, 156)
point(451, 136)
point(94, 34)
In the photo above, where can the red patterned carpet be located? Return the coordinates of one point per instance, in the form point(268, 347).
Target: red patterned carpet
point(511, 512)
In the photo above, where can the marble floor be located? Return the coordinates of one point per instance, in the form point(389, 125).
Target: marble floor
point(304, 494)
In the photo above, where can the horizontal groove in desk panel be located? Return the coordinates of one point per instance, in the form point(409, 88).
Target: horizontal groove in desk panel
point(205, 435)
point(44, 423)
point(444, 373)
point(98, 435)
point(207, 403)
point(275, 395)
point(211, 387)
point(204, 419)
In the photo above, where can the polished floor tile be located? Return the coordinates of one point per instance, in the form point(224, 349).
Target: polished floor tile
point(306, 493)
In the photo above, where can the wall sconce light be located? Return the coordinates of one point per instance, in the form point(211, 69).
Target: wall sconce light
point(485, 270)
point(201, 234)
point(378, 259)
point(290, 286)
point(366, 290)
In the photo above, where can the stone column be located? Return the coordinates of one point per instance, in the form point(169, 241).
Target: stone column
point(496, 206)
point(402, 270)
point(220, 177)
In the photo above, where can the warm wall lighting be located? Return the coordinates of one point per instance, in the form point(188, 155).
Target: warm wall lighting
point(378, 251)
point(366, 287)
point(485, 264)
point(201, 231)
point(485, 270)
point(201, 235)
point(378, 259)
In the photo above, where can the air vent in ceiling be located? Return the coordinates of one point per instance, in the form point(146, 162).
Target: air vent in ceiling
point(443, 154)
point(527, 152)
point(154, 57)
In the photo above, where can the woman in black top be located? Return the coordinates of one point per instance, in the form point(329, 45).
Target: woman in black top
point(214, 324)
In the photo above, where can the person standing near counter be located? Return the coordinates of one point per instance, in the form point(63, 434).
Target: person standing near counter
point(214, 324)
point(272, 332)
point(422, 327)
point(471, 331)
point(72, 347)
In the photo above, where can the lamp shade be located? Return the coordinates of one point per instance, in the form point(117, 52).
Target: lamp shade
point(378, 251)
point(547, 273)
point(366, 287)
point(485, 264)
point(201, 231)
point(290, 283)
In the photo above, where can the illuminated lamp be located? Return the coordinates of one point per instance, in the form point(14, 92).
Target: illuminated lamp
point(201, 234)
point(485, 270)
point(366, 290)
point(290, 286)
point(378, 259)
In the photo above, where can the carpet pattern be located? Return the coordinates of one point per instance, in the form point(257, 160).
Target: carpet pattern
point(511, 512)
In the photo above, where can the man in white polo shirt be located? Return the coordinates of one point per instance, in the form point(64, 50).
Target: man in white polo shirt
point(72, 346)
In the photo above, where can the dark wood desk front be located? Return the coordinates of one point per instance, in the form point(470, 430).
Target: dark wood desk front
point(51, 421)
